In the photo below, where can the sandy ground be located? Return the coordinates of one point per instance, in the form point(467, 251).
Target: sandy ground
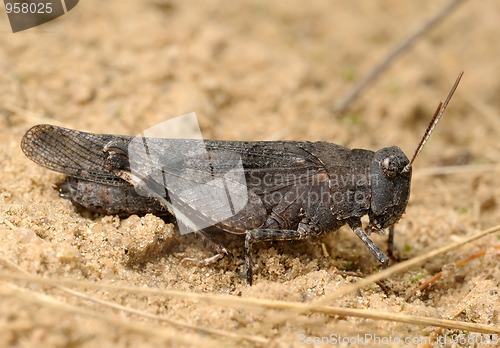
point(251, 70)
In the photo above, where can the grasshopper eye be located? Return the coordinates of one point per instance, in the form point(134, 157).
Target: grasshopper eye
point(391, 166)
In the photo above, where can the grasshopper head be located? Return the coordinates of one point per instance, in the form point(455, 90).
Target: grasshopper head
point(390, 177)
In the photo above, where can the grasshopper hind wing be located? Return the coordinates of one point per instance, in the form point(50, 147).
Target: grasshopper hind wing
point(74, 153)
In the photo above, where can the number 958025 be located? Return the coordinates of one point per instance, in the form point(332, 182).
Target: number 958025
point(32, 7)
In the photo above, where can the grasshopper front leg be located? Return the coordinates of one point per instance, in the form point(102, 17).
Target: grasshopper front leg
point(355, 225)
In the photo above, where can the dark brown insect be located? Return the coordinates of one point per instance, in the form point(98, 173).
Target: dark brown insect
point(287, 190)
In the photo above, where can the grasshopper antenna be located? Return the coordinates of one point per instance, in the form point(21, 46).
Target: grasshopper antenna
point(435, 119)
